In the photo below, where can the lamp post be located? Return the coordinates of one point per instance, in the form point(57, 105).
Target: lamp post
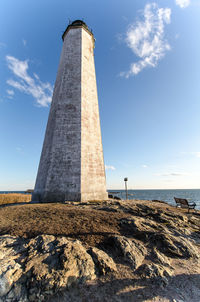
point(125, 180)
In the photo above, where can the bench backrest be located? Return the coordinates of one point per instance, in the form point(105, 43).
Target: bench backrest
point(181, 201)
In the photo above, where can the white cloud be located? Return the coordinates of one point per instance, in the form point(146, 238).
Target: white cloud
point(183, 3)
point(146, 38)
point(24, 42)
point(20, 150)
point(110, 168)
point(172, 174)
point(10, 92)
point(177, 36)
point(197, 154)
point(41, 92)
point(144, 166)
point(36, 76)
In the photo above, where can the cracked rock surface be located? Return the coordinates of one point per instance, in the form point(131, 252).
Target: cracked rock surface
point(101, 251)
point(35, 268)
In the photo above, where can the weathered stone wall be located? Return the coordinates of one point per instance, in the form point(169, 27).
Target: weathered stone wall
point(93, 183)
point(71, 165)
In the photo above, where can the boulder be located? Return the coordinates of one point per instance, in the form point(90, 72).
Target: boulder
point(154, 271)
point(159, 258)
point(133, 252)
point(31, 270)
point(174, 246)
point(104, 263)
point(11, 248)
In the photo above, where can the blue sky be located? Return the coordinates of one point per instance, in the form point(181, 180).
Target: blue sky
point(148, 70)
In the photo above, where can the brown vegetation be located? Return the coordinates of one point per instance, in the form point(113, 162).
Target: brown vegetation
point(58, 219)
point(92, 223)
point(14, 198)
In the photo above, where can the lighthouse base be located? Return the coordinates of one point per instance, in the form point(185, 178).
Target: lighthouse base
point(50, 197)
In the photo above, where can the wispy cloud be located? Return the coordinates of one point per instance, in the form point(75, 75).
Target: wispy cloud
point(146, 38)
point(197, 154)
point(24, 42)
point(10, 93)
point(110, 167)
point(41, 92)
point(144, 166)
point(172, 174)
point(2, 45)
point(20, 150)
point(182, 3)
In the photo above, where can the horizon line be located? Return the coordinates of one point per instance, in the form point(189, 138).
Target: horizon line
point(115, 189)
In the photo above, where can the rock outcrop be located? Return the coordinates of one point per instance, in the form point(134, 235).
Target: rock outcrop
point(32, 270)
point(103, 262)
point(132, 252)
point(143, 248)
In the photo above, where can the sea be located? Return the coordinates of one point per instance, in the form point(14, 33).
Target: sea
point(164, 195)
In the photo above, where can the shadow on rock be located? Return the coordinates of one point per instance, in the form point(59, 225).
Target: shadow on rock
point(177, 288)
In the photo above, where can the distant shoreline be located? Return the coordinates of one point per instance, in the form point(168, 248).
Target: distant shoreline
point(165, 195)
point(109, 190)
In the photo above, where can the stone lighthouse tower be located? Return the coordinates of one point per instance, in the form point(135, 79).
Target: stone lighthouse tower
point(71, 164)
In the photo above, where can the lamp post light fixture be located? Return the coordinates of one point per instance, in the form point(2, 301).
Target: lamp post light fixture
point(125, 180)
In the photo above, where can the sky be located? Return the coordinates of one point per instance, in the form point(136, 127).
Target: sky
point(148, 78)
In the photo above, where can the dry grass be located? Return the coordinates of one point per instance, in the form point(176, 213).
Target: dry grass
point(14, 198)
point(84, 222)
point(88, 225)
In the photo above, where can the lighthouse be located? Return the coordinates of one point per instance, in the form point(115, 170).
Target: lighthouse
point(71, 165)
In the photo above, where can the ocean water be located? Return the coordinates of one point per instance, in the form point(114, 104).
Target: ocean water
point(7, 192)
point(164, 195)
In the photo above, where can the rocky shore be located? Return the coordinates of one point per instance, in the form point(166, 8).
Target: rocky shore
point(111, 251)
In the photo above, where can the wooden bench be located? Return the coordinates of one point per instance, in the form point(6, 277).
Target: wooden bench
point(183, 203)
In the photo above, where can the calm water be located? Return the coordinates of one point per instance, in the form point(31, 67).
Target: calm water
point(165, 195)
point(7, 192)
